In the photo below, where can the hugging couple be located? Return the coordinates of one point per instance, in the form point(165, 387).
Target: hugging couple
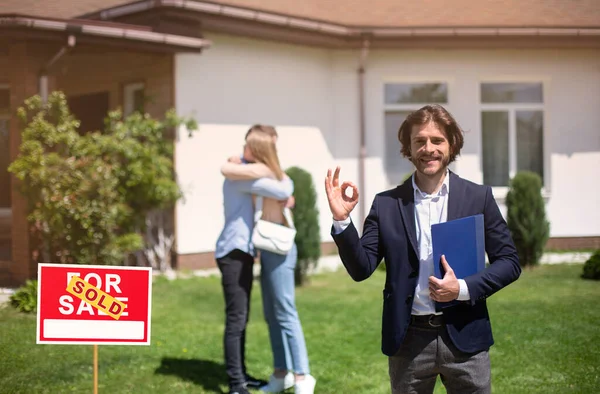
point(257, 197)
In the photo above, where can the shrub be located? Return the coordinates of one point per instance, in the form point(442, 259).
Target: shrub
point(591, 268)
point(25, 298)
point(526, 217)
point(306, 219)
point(89, 195)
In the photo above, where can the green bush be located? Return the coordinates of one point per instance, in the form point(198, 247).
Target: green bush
point(526, 217)
point(591, 268)
point(306, 219)
point(89, 195)
point(25, 298)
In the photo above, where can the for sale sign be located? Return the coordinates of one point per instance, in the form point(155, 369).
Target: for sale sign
point(91, 304)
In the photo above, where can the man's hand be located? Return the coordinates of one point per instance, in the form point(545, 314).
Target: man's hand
point(339, 203)
point(235, 159)
point(446, 289)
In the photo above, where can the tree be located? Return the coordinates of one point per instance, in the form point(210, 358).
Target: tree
point(89, 195)
point(526, 217)
point(306, 219)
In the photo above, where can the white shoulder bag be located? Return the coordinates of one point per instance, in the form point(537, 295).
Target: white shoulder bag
point(273, 237)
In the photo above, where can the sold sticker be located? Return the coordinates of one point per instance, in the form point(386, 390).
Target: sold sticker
point(97, 298)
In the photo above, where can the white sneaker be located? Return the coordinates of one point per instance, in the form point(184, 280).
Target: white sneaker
point(277, 385)
point(306, 385)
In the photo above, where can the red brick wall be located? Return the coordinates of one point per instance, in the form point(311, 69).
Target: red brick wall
point(573, 243)
point(92, 70)
point(23, 66)
point(197, 261)
point(84, 70)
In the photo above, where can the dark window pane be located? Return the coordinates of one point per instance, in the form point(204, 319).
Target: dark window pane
point(396, 165)
point(5, 199)
point(495, 148)
point(4, 101)
point(138, 100)
point(416, 93)
point(530, 142)
point(511, 93)
point(5, 234)
point(91, 110)
point(5, 184)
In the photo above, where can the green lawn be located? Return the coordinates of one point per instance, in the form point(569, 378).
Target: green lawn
point(546, 327)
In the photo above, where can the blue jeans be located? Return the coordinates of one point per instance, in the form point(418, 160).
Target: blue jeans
point(279, 306)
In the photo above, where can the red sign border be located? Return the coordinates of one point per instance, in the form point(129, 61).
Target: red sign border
point(92, 342)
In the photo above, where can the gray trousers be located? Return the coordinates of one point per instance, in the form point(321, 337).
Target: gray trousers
point(427, 352)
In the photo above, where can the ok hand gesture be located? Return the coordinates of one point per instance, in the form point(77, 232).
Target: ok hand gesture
point(339, 203)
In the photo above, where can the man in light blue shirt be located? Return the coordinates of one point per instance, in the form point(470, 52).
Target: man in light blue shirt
point(235, 257)
point(239, 211)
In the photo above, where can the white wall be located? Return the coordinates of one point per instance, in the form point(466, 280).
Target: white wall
point(572, 118)
point(236, 83)
point(311, 96)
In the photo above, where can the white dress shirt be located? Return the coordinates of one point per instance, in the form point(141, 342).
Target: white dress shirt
point(430, 209)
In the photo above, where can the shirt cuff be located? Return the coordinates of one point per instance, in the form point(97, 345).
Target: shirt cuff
point(341, 225)
point(463, 293)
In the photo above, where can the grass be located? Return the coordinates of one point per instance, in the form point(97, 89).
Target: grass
point(546, 327)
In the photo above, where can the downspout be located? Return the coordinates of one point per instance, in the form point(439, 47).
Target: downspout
point(362, 153)
point(43, 78)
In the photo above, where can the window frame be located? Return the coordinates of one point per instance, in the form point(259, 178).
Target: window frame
point(129, 90)
point(500, 192)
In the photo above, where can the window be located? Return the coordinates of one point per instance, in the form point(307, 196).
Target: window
point(91, 110)
point(133, 98)
point(5, 199)
point(512, 127)
point(400, 100)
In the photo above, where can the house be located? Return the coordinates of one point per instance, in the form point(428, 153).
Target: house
point(336, 78)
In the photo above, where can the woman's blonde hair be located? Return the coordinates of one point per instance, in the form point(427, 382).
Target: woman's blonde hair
point(263, 149)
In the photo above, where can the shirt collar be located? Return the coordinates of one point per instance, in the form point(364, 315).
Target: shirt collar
point(444, 190)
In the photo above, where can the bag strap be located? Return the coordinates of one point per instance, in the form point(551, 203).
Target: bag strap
point(287, 213)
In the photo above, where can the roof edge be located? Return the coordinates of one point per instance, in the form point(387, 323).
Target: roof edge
point(328, 28)
point(104, 30)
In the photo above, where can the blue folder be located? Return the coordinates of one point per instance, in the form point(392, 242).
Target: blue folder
point(462, 241)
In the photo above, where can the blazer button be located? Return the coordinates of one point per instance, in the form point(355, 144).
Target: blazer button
point(409, 299)
point(413, 274)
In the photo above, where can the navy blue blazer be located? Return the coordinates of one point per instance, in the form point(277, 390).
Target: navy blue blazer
point(390, 233)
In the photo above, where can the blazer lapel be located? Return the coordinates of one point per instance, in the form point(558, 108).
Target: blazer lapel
point(406, 202)
point(456, 197)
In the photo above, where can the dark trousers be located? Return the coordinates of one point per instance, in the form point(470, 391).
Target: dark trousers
point(428, 352)
point(236, 279)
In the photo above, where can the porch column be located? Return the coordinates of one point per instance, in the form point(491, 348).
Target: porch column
point(23, 84)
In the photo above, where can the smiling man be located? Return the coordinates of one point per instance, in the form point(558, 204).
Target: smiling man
point(422, 340)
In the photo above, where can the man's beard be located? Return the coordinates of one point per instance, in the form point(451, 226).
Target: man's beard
point(443, 159)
